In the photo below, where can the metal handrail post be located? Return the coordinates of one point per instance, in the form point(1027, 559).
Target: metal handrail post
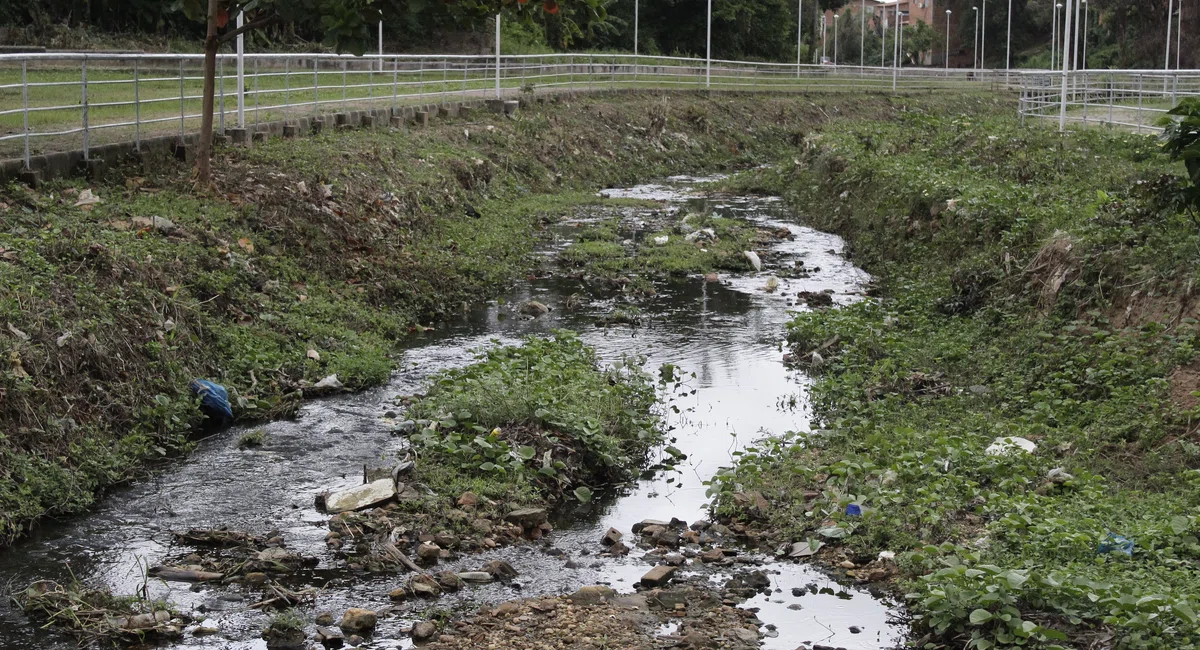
point(221, 93)
point(85, 109)
point(25, 106)
point(137, 109)
point(181, 111)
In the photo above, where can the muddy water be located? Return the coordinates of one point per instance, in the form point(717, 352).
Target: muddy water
point(728, 334)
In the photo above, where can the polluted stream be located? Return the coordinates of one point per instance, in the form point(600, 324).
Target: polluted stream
point(726, 333)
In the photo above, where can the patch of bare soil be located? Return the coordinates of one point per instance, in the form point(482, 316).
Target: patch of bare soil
point(595, 618)
point(1185, 382)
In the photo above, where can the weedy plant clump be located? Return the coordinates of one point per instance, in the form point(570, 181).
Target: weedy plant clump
point(536, 421)
point(96, 616)
point(1031, 286)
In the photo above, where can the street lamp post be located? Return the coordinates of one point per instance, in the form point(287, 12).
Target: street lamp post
point(1085, 32)
point(1066, 53)
point(862, 36)
point(883, 43)
point(975, 52)
point(824, 42)
point(1170, 12)
point(835, 39)
point(947, 39)
point(1008, 48)
point(900, 48)
point(799, 35)
point(635, 29)
point(1054, 37)
point(983, 35)
point(708, 49)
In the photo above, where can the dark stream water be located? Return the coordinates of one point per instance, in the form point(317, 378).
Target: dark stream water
point(728, 334)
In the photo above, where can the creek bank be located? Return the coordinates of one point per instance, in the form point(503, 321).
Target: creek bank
point(1004, 312)
point(343, 244)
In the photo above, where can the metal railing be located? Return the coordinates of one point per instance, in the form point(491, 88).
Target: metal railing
point(60, 102)
point(1132, 99)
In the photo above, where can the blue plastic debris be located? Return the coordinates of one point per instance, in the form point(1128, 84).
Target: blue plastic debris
point(854, 510)
point(214, 399)
point(1115, 543)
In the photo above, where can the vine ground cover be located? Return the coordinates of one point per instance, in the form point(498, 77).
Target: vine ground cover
point(1032, 286)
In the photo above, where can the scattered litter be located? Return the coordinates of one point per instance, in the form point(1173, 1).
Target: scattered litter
point(326, 191)
point(805, 549)
point(87, 199)
point(214, 399)
point(1059, 475)
point(313, 354)
point(1007, 446)
point(854, 510)
point(754, 260)
point(62, 340)
point(887, 556)
point(1115, 543)
point(662, 240)
point(772, 284)
point(703, 235)
point(18, 333)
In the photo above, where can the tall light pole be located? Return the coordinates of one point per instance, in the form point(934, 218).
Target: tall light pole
point(1054, 36)
point(883, 43)
point(1086, 7)
point(1075, 37)
point(708, 63)
point(799, 35)
point(1178, 35)
point(381, 46)
point(983, 35)
point(835, 39)
point(900, 48)
point(1066, 54)
point(824, 43)
point(635, 30)
point(975, 52)
point(947, 39)
point(1170, 12)
point(862, 36)
point(1008, 49)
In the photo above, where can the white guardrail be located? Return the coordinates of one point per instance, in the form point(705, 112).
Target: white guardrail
point(54, 102)
point(1131, 99)
point(59, 102)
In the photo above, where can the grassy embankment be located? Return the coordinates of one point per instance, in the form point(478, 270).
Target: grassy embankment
point(341, 244)
point(1032, 286)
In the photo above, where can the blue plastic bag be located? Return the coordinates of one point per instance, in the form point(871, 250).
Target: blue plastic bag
point(1115, 543)
point(214, 399)
point(854, 510)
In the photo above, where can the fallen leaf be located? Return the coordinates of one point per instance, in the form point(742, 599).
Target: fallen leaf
point(246, 245)
point(171, 289)
point(301, 297)
point(314, 355)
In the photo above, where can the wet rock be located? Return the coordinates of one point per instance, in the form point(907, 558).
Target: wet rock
point(325, 618)
point(476, 577)
point(712, 277)
point(328, 385)
point(445, 540)
point(673, 559)
point(255, 578)
point(500, 569)
point(330, 638)
point(505, 610)
point(363, 496)
point(468, 500)
point(619, 549)
point(658, 576)
point(612, 537)
point(744, 635)
point(854, 629)
point(527, 517)
point(207, 627)
point(429, 552)
point(592, 595)
point(424, 586)
point(423, 631)
point(533, 308)
point(712, 556)
point(357, 620)
point(450, 581)
point(641, 525)
point(406, 427)
point(754, 502)
point(398, 594)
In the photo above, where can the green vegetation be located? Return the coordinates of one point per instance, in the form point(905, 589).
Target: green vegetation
point(252, 439)
point(97, 617)
point(1033, 286)
point(600, 249)
point(542, 417)
point(340, 244)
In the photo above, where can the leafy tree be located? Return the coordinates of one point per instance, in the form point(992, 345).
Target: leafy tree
point(1182, 142)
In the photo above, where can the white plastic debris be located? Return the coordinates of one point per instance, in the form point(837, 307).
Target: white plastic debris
point(86, 198)
point(1059, 475)
point(754, 260)
point(887, 556)
point(661, 240)
point(329, 383)
point(1010, 445)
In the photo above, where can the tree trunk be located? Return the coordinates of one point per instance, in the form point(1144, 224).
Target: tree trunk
point(204, 146)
